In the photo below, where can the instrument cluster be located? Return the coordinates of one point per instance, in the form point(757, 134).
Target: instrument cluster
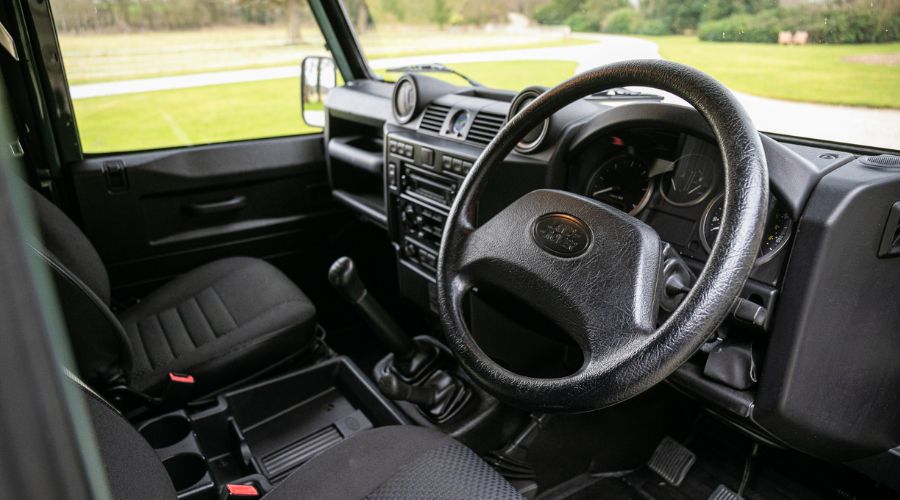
point(673, 182)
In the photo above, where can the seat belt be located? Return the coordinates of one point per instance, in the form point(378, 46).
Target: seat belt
point(80, 383)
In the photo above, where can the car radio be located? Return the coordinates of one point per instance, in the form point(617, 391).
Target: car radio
point(422, 183)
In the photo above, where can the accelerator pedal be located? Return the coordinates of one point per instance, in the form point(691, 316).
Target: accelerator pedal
point(722, 492)
point(672, 461)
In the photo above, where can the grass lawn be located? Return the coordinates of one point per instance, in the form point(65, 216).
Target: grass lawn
point(238, 111)
point(184, 117)
point(811, 73)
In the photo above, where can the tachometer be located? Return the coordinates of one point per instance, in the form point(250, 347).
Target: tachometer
point(621, 182)
point(690, 182)
point(777, 233)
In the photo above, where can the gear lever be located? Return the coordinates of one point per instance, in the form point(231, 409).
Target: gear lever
point(345, 280)
point(409, 357)
point(415, 372)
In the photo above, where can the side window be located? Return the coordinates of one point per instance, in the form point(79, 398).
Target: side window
point(148, 74)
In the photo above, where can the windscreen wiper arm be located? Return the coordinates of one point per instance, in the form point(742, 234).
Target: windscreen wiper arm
point(433, 68)
point(621, 93)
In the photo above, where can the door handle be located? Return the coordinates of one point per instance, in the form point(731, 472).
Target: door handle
point(232, 204)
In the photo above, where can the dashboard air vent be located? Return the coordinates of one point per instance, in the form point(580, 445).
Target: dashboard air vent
point(887, 162)
point(433, 119)
point(485, 127)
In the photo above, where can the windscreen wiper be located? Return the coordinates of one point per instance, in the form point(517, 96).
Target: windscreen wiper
point(433, 68)
point(621, 93)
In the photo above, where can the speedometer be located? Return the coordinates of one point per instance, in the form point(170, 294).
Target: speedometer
point(690, 182)
point(622, 182)
point(775, 237)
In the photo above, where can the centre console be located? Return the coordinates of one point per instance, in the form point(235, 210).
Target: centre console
point(257, 435)
point(421, 182)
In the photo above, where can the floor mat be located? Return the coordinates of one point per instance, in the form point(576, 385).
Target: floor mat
point(721, 458)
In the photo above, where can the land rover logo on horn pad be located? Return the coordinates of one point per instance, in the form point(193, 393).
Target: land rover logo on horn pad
point(561, 234)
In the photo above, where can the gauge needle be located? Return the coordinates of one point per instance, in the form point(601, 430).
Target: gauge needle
point(604, 190)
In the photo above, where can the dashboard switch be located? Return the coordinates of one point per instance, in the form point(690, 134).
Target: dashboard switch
point(392, 173)
point(427, 156)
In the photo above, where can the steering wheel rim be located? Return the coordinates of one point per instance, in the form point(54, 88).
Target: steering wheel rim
point(618, 365)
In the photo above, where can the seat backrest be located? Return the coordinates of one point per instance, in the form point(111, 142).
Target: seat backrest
point(99, 342)
point(70, 246)
point(133, 469)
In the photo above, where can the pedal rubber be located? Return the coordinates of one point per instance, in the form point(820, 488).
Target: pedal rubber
point(672, 461)
point(722, 492)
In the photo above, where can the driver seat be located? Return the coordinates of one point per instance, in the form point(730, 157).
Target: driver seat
point(397, 462)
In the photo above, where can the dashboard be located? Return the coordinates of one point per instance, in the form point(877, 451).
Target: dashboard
point(807, 357)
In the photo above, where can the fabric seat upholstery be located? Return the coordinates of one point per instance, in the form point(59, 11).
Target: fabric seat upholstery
point(220, 322)
point(397, 462)
point(229, 316)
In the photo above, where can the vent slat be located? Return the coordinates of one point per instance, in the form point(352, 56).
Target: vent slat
point(433, 119)
point(485, 127)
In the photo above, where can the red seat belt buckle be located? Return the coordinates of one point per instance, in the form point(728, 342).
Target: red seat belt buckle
point(235, 491)
point(181, 378)
point(178, 391)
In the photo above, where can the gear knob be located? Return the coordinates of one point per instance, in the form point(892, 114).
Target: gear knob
point(345, 280)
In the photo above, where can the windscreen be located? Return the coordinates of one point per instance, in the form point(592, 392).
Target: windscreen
point(818, 69)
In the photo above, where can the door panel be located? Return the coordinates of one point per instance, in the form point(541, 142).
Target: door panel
point(156, 214)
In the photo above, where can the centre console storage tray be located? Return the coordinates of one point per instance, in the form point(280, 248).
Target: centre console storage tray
point(266, 430)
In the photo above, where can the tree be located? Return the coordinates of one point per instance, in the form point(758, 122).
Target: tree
point(678, 15)
point(293, 22)
point(718, 9)
point(360, 14)
point(394, 7)
point(557, 11)
point(292, 9)
point(440, 15)
point(481, 11)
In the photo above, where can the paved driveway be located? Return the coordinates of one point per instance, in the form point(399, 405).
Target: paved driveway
point(875, 127)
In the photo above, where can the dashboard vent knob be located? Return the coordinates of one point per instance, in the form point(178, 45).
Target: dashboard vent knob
point(887, 162)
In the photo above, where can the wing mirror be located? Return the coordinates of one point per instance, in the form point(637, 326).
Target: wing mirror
point(317, 77)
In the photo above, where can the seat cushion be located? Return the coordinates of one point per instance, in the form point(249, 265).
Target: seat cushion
point(398, 462)
point(219, 323)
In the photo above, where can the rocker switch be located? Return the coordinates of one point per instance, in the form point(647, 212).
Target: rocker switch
point(116, 178)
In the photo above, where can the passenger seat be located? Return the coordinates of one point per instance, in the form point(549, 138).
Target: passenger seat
point(219, 323)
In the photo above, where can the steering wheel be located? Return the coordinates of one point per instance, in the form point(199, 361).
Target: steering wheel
point(594, 269)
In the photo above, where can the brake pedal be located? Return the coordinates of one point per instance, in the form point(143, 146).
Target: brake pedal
point(722, 492)
point(672, 461)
